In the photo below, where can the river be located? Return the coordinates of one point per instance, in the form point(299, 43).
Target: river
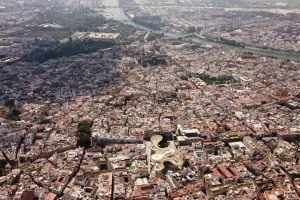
point(112, 8)
point(118, 14)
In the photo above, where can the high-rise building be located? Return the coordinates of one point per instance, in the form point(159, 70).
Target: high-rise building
point(142, 59)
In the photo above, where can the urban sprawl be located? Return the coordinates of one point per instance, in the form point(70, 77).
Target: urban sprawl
point(180, 100)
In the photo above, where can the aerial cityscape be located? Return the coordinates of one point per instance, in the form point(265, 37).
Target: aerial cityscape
point(149, 99)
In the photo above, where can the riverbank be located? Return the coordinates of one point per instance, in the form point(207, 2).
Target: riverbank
point(119, 15)
point(246, 49)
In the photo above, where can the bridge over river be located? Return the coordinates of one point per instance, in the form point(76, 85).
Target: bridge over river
point(112, 7)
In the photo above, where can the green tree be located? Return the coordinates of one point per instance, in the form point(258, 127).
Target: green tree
point(84, 139)
point(84, 134)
